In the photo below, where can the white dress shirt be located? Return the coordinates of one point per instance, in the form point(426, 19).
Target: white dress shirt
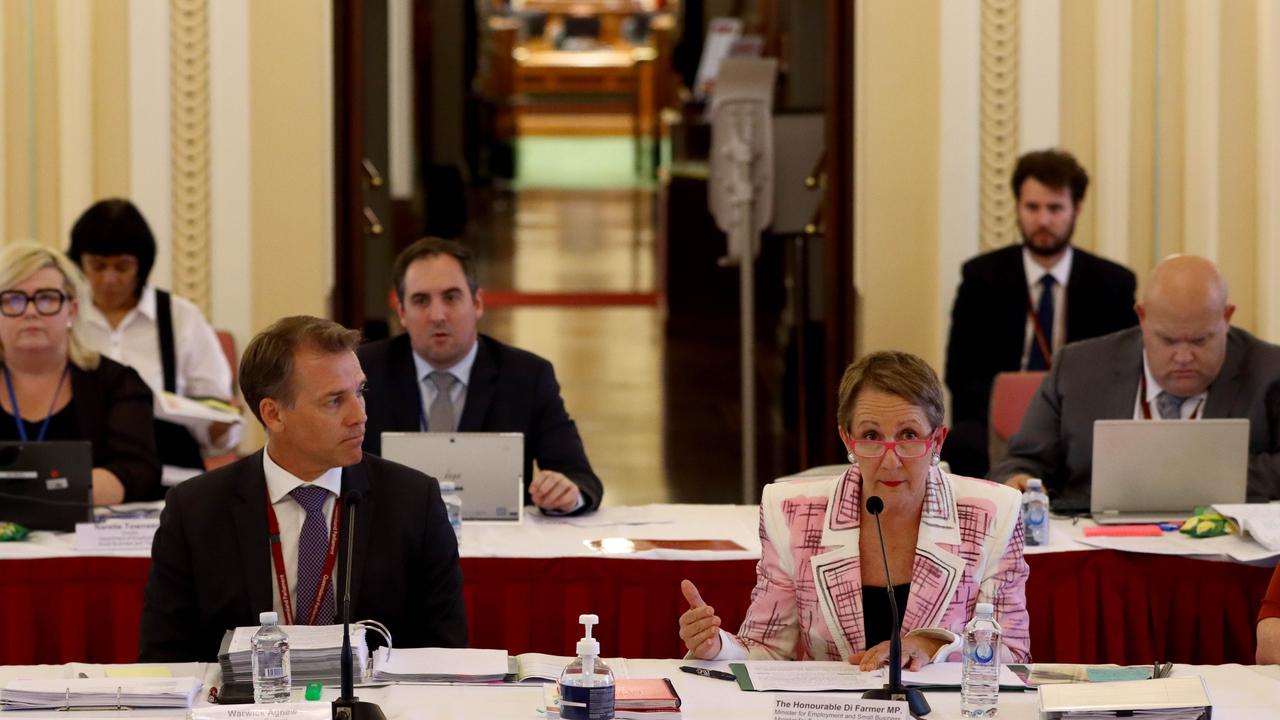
point(458, 393)
point(1192, 407)
point(290, 515)
point(201, 367)
point(1061, 272)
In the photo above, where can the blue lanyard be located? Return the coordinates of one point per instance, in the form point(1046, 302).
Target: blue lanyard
point(17, 414)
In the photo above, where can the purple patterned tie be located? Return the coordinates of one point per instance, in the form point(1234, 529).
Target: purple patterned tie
point(313, 549)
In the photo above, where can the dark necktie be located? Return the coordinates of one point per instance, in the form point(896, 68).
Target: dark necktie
point(313, 550)
point(1170, 406)
point(440, 415)
point(1044, 316)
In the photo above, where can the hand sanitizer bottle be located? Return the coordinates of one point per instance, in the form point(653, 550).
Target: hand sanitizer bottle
point(586, 685)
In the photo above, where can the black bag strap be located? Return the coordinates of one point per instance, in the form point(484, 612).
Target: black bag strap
point(164, 325)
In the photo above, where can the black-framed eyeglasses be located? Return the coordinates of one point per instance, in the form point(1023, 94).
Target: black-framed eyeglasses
point(48, 301)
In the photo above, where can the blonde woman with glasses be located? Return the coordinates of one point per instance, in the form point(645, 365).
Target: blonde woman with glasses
point(56, 389)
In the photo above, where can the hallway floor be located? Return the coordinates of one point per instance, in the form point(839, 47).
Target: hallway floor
point(582, 229)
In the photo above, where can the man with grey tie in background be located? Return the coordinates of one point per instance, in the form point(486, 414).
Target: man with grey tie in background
point(442, 375)
point(1185, 361)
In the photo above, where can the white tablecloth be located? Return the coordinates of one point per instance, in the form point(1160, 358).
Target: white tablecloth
point(1237, 691)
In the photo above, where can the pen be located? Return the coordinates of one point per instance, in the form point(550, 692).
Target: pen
point(708, 673)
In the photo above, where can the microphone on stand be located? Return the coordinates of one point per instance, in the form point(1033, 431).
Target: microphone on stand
point(894, 689)
point(348, 706)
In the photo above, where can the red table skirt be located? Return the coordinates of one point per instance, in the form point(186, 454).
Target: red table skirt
point(1090, 607)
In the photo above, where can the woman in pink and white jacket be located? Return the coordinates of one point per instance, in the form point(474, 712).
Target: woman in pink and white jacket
point(951, 542)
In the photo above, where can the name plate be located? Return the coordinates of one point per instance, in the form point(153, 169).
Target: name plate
point(277, 711)
point(808, 706)
point(117, 534)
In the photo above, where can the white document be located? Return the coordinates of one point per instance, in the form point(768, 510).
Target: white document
point(811, 676)
point(456, 664)
point(191, 414)
point(947, 674)
point(47, 693)
point(1175, 543)
point(1262, 521)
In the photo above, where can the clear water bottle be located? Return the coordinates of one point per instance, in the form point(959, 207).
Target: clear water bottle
point(587, 685)
point(1035, 513)
point(270, 650)
point(453, 506)
point(980, 677)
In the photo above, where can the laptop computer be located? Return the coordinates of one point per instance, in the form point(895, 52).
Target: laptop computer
point(1158, 471)
point(487, 468)
point(46, 485)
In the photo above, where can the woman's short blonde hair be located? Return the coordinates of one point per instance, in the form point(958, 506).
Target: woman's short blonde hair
point(897, 373)
point(21, 259)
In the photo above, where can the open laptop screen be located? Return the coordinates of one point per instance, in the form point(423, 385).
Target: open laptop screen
point(46, 485)
point(1166, 468)
point(486, 468)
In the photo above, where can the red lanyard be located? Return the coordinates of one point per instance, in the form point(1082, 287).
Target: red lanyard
point(1146, 406)
point(282, 580)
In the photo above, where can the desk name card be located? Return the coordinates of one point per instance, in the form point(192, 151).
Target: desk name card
point(808, 706)
point(117, 534)
point(279, 711)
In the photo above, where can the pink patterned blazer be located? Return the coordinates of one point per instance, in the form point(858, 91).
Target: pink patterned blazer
point(807, 603)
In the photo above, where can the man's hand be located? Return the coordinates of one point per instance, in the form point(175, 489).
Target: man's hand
point(553, 491)
point(1018, 482)
point(916, 653)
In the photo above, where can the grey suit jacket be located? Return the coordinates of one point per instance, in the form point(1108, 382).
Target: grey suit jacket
point(1098, 379)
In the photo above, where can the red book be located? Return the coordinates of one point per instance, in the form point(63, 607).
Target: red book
point(657, 694)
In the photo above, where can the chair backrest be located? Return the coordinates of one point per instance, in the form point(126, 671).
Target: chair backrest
point(228, 342)
point(1011, 393)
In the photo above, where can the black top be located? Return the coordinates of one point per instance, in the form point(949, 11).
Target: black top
point(876, 619)
point(111, 407)
point(62, 426)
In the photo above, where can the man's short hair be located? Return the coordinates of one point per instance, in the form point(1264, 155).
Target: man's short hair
point(429, 247)
point(896, 373)
point(266, 369)
point(1054, 169)
point(114, 227)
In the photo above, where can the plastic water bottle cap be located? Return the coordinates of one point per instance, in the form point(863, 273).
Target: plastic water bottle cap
point(268, 618)
point(986, 609)
point(448, 486)
point(1035, 484)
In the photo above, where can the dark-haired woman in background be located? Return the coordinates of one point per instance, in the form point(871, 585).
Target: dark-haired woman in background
point(162, 336)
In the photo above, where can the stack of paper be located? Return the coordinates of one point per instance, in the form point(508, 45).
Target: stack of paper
point(633, 700)
point(314, 653)
point(1182, 698)
point(123, 693)
point(439, 665)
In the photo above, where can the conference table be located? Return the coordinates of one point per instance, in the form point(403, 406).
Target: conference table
point(1236, 691)
point(526, 585)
